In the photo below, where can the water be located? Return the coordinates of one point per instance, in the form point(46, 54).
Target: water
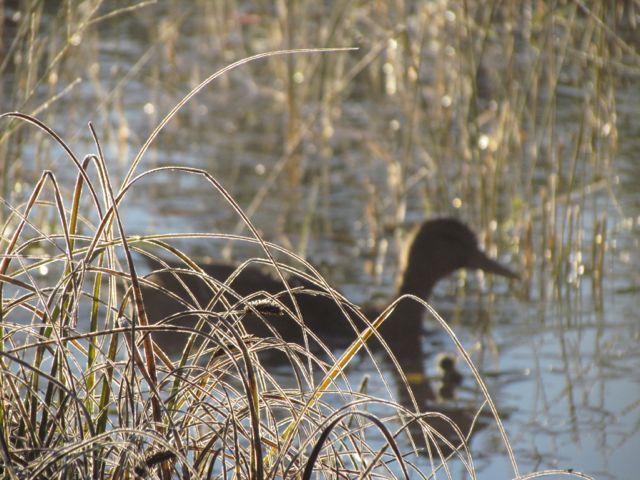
point(563, 369)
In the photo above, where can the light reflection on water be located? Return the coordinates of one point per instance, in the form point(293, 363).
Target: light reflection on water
point(565, 371)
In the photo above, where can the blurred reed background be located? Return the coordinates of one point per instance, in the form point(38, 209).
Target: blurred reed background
point(516, 117)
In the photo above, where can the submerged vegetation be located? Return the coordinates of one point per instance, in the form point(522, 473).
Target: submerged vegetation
point(504, 114)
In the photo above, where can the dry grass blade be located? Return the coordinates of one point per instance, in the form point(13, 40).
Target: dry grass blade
point(331, 424)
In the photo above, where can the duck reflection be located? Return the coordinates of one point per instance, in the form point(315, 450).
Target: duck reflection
point(450, 378)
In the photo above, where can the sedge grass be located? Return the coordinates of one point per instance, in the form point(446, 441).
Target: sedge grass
point(506, 156)
point(92, 396)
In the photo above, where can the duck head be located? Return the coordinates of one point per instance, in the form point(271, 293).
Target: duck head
point(438, 248)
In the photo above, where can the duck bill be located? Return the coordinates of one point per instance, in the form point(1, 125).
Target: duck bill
point(486, 264)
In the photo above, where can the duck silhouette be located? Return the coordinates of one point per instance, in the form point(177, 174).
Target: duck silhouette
point(435, 250)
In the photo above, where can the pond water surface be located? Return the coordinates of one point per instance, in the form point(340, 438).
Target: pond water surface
point(561, 361)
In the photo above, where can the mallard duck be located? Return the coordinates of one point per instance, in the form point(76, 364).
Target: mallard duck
point(436, 249)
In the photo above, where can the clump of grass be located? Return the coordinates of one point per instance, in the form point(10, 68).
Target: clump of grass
point(86, 393)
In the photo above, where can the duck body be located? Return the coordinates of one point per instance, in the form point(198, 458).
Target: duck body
point(194, 291)
point(437, 248)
